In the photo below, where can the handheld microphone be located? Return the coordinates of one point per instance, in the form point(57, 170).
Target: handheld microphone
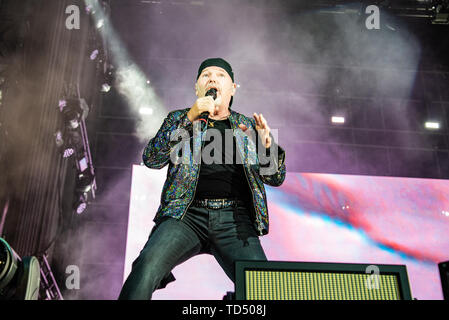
point(211, 92)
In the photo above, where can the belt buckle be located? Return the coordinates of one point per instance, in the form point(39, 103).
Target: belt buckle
point(223, 203)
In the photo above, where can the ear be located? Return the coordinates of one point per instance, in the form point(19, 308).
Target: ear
point(234, 88)
point(196, 89)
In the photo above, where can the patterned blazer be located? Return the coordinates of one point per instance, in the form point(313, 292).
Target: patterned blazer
point(178, 143)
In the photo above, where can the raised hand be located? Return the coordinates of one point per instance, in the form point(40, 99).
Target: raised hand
point(262, 129)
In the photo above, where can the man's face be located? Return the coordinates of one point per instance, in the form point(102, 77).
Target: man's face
point(218, 78)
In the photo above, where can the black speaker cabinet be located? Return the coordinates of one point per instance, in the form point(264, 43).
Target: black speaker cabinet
point(444, 276)
point(278, 280)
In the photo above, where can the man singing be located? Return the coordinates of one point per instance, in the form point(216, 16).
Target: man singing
point(214, 203)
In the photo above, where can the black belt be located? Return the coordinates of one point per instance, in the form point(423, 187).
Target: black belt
point(217, 203)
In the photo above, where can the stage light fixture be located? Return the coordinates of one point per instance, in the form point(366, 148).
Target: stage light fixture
point(19, 278)
point(72, 112)
point(105, 88)
point(338, 119)
point(100, 24)
point(74, 139)
point(94, 54)
point(109, 78)
point(441, 13)
point(75, 143)
point(9, 263)
point(84, 181)
point(80, 204)
point(432, 125)
point(90, 9)
point(81, 207)
point(68, 152)
point(146, 111)
point(71, 140)
point(82, 164)
point(84, 186)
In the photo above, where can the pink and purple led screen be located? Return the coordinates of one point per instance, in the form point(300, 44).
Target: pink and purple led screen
point(320, 218)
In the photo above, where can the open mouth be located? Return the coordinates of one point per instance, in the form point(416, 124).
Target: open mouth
point(212, 87)
point(215, 94)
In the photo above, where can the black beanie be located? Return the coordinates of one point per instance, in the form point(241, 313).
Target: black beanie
point(217, 62)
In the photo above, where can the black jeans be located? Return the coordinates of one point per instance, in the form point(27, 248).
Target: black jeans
point(228, 234)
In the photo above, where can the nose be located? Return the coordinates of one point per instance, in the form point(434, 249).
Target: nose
point(213, 77)
point(212, 82)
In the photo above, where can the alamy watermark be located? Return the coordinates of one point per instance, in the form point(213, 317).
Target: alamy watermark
point(73, 20)
point(372, 282)
point(373, 20)
point(73, 279)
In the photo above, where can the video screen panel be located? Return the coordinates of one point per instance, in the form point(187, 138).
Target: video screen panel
point(319, 218)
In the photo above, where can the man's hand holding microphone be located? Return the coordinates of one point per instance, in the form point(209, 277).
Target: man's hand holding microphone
point(210, 105)
point(204, 106)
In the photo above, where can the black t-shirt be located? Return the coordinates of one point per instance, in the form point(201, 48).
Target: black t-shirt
point(224, 177)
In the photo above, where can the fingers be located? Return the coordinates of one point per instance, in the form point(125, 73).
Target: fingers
point(257, 118)
point(264, 122)
point(212, 106)
point(207, 104)
point(203, 104)
point(243, 127)
point(263, 129)
point(260, 121)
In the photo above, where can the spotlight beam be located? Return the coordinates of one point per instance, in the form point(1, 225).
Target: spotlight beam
point(130, 80)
